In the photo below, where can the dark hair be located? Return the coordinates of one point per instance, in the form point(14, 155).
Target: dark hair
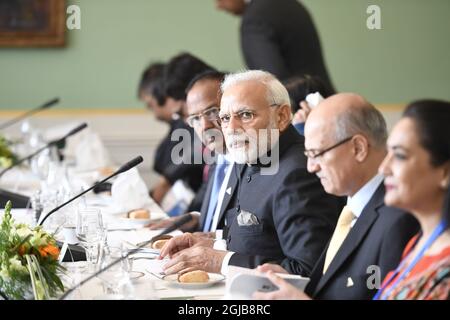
point(206, 75)
point(432, 118)
point(152, 82)
point(299, 87)
point(179, 72)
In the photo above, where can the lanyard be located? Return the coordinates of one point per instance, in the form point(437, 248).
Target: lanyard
point(436, 233)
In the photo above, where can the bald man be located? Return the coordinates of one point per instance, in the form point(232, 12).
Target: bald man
point(345, 142)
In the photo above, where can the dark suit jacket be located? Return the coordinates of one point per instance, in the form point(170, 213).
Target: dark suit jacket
point(191, 173)
point(231, 186)
point(378, 238)
point(296, 216)
point(280, 37)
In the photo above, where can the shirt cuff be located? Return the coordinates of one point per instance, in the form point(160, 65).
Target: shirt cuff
point(225, 262)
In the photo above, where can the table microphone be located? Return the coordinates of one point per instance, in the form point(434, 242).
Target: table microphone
point(29, 113)
point(127, 166)
point(48, 145)
point(174, 226)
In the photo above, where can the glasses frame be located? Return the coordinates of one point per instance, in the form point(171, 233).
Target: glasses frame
point(203, 114)
point(307, 153)
point(249, 111)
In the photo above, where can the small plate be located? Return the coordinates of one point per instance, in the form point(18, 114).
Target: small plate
point(172, 280)
point(135, 222)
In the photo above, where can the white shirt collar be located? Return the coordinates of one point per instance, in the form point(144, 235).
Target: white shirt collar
point(247, 1)
point(358, 202)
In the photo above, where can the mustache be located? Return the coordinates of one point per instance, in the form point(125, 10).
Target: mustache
point(237, 138)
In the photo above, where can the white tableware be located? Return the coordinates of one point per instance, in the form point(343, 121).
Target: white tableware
point(172, 280)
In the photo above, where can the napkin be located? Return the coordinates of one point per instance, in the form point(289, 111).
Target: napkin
point(129, 191)
point(91, 153)
point(314, 99)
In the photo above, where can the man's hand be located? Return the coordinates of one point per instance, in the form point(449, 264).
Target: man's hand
point(302, 114)
point(205, 235)
point(182, 242)
point(169, 221)
point(266, 267)
point(285, 290)
point(196, 258)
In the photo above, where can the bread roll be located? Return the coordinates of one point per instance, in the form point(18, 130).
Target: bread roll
point(106, 171)
point(139, 214)
point(193, 276)
point(158, 244)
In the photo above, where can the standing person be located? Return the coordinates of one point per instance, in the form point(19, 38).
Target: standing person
point(278, 37)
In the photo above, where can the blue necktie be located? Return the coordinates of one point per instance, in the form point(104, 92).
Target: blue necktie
point(219, 175)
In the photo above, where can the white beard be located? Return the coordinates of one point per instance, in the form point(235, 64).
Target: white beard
point(254, 148)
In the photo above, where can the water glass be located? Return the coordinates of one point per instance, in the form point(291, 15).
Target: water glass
point(90, 234)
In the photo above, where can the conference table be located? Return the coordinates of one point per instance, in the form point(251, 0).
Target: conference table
point(146, 276)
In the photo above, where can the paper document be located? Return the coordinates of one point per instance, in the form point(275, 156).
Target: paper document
point(243, 282)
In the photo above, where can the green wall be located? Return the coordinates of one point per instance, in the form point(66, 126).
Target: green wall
point(101, 64)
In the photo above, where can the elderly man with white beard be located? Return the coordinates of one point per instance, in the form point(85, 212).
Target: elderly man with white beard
point(279, 212)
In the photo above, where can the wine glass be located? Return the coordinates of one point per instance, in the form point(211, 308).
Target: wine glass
point(90, 234)
point(116, 279)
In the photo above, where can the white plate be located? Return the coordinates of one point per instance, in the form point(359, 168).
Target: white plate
point(172, 280)
point(121, 214)
point(135, 222)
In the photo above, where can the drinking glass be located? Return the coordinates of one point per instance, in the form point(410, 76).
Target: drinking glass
point(115, 280)
point(90, 234)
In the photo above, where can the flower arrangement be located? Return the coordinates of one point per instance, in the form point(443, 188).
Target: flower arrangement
point(29, 264)
point(7, 157)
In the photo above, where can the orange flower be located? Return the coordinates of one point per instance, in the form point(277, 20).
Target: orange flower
point(50, 250)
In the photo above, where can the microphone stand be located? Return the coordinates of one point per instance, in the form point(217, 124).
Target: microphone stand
point(124, 168)
point(29, 113)
point(50, 144)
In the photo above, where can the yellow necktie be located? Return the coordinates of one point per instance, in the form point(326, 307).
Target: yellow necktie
point(341, 231)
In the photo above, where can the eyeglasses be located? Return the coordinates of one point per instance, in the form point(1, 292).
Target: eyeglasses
point(244, 116)
point(312, 154)
point(211, 114)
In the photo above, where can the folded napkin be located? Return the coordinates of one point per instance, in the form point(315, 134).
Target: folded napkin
point(314, 99)
point(129, 191)
point(91, 153)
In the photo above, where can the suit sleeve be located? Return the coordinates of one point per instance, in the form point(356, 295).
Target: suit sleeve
point(304, 218)
point(261, 49)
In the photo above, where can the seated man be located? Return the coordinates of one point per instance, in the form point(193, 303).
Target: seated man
point(279, 211)
point(345, 144)
point(202, 102)
point(162, 88)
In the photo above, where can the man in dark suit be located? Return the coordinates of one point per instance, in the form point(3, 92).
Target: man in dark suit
point(345, 143)
point(279, 212)
point(278, 37)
